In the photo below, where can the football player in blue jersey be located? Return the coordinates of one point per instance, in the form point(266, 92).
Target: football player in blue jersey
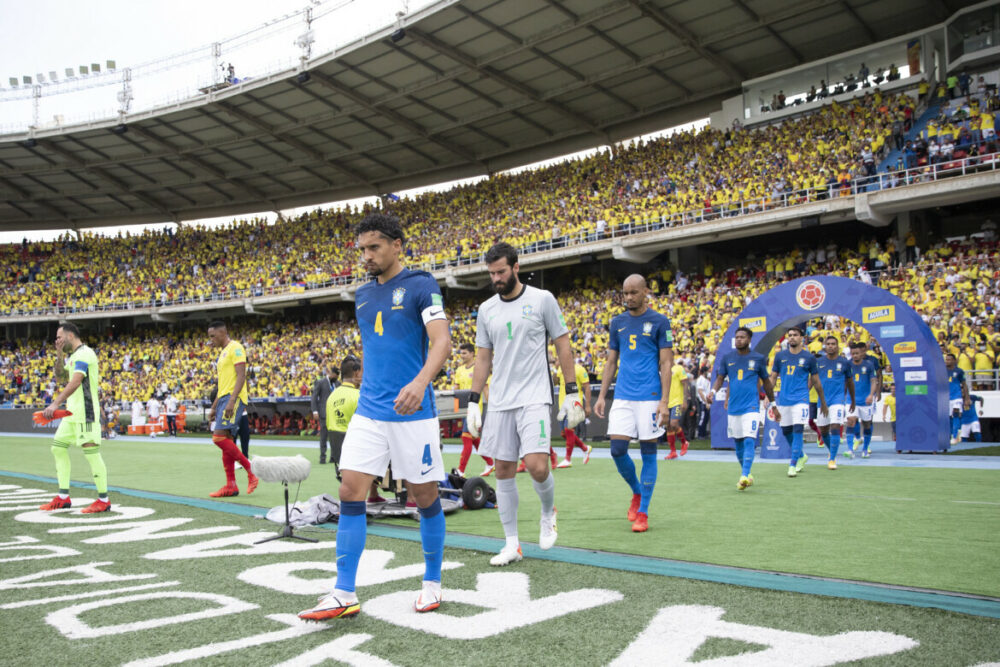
point(405, 341)
point(642, 341)
point(958, 394)
point(797, 369)
point(971, 430)
point(746, 370)
point(838, 386)
point(867, 376)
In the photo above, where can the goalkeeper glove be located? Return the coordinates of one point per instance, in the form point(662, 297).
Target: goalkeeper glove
point(572, 408)
point(474, 416)
point(39, 417)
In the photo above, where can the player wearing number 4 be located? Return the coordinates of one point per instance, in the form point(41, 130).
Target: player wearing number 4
point(641, 339)
point(512, 329)
point(398, 313)
point(797, 369)
point(743, 368)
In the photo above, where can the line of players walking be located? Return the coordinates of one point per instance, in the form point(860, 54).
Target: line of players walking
point(405, 340)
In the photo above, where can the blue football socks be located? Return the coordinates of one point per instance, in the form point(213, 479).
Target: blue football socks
point(432, 538)
point(352, 530)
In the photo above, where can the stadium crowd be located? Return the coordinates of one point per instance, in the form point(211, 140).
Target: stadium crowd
point(684, 178)
point(954, 285)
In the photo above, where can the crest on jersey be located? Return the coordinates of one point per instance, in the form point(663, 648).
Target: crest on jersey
point(750, 364)
point(802, 362)
point(647, 327)
point(526, 310)
point(397, 296)
point(839, 367)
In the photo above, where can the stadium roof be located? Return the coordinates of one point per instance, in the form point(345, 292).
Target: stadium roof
point(472, 87)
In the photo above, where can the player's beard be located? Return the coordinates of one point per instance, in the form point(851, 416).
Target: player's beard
point(505, 287)
point(374, 270)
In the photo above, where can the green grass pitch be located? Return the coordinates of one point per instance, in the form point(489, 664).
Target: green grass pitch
point(927, 528)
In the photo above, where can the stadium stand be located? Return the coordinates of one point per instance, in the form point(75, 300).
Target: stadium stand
point(953, 285)
point(686, 178)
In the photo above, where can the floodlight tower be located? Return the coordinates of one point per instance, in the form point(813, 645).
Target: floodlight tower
point(306, 39)
point(125, 95)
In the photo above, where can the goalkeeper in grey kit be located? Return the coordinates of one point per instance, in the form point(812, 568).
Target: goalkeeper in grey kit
point(512, 332)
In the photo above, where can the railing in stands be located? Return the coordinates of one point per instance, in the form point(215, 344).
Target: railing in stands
point(708, 213)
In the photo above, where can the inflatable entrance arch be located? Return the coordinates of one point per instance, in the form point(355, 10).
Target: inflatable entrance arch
point(914, 355)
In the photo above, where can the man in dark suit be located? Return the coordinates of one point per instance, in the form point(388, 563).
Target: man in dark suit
point(322, 388)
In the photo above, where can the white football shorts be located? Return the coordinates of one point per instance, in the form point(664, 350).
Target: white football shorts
point(835, 415)
point(413, 448)
point(510, 434)
point(634, 419)
point(864, 413)
point(743, 426)
point(792, 415)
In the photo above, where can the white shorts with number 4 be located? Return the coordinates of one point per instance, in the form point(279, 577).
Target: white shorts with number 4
point(792, 415)
point(743, 426)
point(863, 412)
point(836, 414)
point(635, 419)
point(969, 429)
point(510, 434)
point(413, 448)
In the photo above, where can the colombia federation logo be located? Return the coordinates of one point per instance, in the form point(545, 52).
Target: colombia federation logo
point(810, 295)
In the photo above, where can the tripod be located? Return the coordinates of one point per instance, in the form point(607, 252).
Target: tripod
point(286, 531)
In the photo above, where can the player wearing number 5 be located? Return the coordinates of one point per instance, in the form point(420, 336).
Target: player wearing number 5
point(512, 330)
point(641, 338)
point(398, 313)
point(744, 368)
point(798, 371)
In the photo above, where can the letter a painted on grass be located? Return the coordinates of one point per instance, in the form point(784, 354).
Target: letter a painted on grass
point(506, 597)
point(675, 633)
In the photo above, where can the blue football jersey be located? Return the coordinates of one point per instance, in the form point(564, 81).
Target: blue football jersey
point(970, 416)
point(394, 341)
point(743, 371)
point(794, 371)
point(638, 341)
point(864, 373)
point(956, 378)
point(833, 374)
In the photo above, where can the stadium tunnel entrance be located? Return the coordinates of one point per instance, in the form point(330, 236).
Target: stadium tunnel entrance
point(918, 366)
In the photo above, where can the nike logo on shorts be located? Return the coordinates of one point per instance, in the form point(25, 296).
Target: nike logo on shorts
point(424, 472)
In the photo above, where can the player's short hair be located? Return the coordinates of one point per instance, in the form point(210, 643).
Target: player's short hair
point(388, 226)
point(217, 324)
point(745, 330)
point(468, 347)
point(69, 327)
point(349, 366)
point(858, 345)
point(833, 338)
point(950, 355)
point(502, 250)
point(796, 328)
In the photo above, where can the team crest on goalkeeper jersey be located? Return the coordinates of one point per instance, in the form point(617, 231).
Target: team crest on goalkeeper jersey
point(526, 311)
point(397, 296)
